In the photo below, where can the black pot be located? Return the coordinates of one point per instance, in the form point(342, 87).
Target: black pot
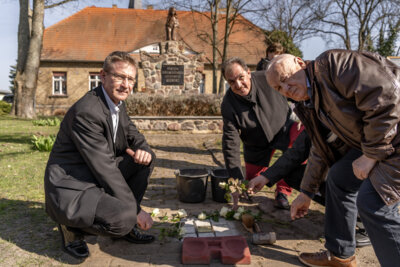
point(191, 184)
point(218, 176)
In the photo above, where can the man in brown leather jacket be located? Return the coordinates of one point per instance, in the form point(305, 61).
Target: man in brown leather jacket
point(349, 103)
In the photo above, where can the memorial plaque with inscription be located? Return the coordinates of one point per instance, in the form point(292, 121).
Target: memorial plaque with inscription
point(172, 74)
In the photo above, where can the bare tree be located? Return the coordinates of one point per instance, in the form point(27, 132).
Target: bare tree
point(356, 23)
point(232, 12)
point(216, 12)
point(30, 37)
point(294, 17)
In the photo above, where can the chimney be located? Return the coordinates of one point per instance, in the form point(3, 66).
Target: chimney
point(135, 4)
point(150, 7)
point(114, 6)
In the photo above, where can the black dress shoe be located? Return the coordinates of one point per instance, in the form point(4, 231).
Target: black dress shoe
point(135, 236)
point(281, 201)
point(73, 243)
point(362, 238)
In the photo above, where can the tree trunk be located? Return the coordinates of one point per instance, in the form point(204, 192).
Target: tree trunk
point(225, 44)
point(214, 23)
point(23, 45)
point(29, 48)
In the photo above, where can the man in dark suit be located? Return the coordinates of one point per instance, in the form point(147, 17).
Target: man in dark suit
point(100, 164)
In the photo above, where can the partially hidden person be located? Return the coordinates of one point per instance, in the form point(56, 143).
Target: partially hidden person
point(290, 167)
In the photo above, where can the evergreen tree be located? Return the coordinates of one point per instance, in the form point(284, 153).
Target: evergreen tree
point(284, 39)
point(13, 73)
point(386, 45)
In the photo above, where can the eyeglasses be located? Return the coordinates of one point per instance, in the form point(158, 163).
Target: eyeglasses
point(119, 78)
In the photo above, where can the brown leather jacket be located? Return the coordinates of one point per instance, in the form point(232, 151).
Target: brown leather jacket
point(357, 96)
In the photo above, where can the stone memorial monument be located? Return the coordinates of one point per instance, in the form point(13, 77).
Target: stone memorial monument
point(172, 72)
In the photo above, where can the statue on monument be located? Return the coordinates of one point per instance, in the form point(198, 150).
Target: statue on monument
point(172, 24)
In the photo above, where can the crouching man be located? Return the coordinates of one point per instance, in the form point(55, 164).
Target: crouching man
point(100, 164)
point(349, 103)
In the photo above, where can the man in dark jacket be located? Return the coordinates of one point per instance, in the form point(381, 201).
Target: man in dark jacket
point(258, 116)
point(100, 164)
point(349, 103)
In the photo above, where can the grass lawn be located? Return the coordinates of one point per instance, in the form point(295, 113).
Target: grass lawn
point(24, 223)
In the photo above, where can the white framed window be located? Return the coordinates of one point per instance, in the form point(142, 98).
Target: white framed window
point(59, 83)
point(94, 80)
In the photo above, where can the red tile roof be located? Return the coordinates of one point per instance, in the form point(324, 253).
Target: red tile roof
point(92, 33)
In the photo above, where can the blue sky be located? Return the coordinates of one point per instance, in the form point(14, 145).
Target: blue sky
point(9, 15)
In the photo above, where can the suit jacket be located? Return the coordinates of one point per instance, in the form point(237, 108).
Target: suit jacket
point(83, 163)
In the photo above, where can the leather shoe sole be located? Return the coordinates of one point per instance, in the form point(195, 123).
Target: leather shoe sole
point(137, 237)
point(76, 248)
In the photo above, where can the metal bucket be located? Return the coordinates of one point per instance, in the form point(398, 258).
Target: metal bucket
point(191, 184)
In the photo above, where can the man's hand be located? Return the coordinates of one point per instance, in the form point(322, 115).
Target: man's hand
point(256, 184)
point(144, 220)
point(299, 207)
point(363, 166)
point(140, 156)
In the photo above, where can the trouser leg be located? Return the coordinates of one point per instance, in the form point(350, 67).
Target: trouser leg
point(283, 187)
point(382, 223)
point(340, 209)
point(294, 180)
point(112, 217)
point(136, 175)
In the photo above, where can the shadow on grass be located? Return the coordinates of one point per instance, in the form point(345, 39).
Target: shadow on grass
point(16, 138)
point(12, 154)
point(25, 224)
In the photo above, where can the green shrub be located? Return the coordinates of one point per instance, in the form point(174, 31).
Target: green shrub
point(141, 104)
point(47, 122)
point(5, 108)
point(43, 143)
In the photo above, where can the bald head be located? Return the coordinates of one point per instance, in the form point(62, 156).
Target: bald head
point(286, 74)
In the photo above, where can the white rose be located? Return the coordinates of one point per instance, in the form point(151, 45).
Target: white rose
point(155, 212)
point(240, 210)
point(222, 185)
point(223, 211)
point(182, 213)
point(237, 216)
point(202, 216)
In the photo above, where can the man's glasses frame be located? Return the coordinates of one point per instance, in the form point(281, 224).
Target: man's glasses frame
point(119, 78)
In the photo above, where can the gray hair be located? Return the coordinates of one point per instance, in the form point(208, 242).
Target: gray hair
point(229, 62)
point(118, 56)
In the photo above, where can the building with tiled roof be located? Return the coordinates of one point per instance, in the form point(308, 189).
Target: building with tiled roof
point(75, 48)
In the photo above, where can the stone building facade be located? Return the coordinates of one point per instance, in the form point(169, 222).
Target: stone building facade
point(74, 50)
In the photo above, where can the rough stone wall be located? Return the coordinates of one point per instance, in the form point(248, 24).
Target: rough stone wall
point(192, 124)
point(171, 53)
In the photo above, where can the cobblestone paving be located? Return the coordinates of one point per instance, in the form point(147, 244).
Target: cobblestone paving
point(180, 151)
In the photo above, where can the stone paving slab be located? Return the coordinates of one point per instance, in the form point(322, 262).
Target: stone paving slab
point(177, 151)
